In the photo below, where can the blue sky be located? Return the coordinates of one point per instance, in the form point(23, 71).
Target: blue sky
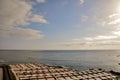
point(59, 24)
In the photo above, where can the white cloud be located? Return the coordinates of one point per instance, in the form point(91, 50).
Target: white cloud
point(76, 39)
point(38, 18)
point(117, 21)
point(101, 37)
point(98, 42)
point(113, 15)
point(14, 13)
point(88, 38)
point(82, 1)
point(41, 1)
point(105, 37)
point(111, 39)
point(114, 19)
point(84, 18)
point(116, 33)
point(94, 42)
point(20, 33)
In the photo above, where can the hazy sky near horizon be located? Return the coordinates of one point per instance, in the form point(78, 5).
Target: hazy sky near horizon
point(60, 24)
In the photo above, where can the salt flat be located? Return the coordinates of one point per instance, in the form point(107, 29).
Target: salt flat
point(45, 72)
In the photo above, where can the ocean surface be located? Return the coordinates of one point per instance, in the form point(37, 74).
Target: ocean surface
point(75, 59)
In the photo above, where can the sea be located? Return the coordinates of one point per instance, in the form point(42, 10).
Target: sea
point(74, 59)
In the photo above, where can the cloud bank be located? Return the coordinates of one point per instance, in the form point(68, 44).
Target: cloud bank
point(82, 2)
point(41, 1)
point(14, 13)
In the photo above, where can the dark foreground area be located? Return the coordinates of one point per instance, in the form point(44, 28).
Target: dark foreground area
point(45, 72)
point(7, 74)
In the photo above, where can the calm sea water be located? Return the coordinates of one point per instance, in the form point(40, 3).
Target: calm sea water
point(76, 59)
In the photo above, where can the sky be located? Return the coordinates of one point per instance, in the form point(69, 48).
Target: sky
point(59, 24)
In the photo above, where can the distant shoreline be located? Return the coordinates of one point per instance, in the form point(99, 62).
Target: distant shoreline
point(60, 50)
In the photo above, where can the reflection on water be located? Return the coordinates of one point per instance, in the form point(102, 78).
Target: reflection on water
point(107, 59)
